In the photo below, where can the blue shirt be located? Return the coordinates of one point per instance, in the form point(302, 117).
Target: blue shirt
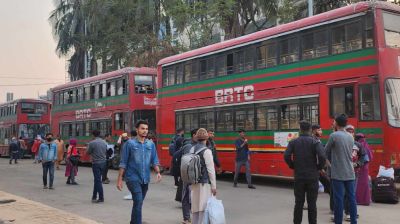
point(47, 153)
point(137, 158)
point(242, 153)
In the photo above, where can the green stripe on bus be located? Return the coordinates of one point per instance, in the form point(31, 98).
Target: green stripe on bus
point(345, 56)
point(278, 77)
point(366, 131)
point(109, 101)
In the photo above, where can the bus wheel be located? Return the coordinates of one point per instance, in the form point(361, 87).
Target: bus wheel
point(115, 162)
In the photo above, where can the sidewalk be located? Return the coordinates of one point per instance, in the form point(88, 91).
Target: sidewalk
point(24, 211)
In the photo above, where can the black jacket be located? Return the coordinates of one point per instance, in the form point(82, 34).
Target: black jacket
point(306, 156)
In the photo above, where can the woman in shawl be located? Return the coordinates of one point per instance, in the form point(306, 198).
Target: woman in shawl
point(72, 165)
point(363, 193)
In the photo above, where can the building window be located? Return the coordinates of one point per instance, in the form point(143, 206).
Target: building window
point(342, 101)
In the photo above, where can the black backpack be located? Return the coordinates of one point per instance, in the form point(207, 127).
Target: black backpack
point(172, 146)
point(384, 191)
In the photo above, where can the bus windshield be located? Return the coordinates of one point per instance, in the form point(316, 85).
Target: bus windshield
point(32, 130)
point(392, 90)
point(392, 29)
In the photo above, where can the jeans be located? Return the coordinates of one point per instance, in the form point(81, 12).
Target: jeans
point(339, 190)
point(303, 188)
point(239, 165)
point(138, 192)
point(48, 167)
point(186, 201)
point(98, 187)
point(105, 171)
point(14, 156)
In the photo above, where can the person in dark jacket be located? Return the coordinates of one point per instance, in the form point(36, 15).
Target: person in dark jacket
point(306, 157)
point(14, 150)
point(242, 158)
point(177, 140)
point(211, 145)
point(186, 191)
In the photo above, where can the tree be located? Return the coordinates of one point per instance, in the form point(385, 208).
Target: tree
point(68, 25)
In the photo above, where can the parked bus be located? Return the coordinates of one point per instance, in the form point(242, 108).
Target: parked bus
point(343, 61)
point(110, 102)
point(24, 118)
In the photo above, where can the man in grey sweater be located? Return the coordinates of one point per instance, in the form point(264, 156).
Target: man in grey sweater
point(339, 152)
point(97, 149)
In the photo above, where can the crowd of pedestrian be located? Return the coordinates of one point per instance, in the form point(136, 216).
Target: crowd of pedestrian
point(341, 166)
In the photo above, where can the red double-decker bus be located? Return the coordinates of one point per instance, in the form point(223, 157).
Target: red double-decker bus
point(343, 61)
point(110, 102)
point(24, 118)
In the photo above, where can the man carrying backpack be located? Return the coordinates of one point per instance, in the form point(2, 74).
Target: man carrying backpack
point(184, 187)
point(174, 146)
point(306, 156)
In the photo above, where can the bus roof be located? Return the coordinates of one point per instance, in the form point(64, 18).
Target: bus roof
point(25, 100)
point(108, 75)
point(306, 22)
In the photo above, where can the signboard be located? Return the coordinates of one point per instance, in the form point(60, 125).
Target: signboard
point(282, 139)
point(150, 101)
point(83, 114)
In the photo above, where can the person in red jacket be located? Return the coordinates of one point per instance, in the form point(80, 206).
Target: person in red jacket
point(35, 148)
point(72, 162)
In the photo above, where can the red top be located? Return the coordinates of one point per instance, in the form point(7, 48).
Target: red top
point(74, 151)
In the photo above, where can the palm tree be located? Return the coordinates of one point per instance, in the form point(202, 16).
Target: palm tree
point(68, 25)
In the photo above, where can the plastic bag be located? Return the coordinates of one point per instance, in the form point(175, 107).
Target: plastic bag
point(214, 213)
point(383, 172)
point(321, 188)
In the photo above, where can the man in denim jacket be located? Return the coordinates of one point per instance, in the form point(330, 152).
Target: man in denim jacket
point(137, 157)
point(48, 156)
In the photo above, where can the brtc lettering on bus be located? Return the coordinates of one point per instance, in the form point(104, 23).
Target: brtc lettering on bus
point(234, 94)
point(83, 114)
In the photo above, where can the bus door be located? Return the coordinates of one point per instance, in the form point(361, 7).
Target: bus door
point(120, 123)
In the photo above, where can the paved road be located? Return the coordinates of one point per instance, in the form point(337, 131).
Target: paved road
point(271, 202)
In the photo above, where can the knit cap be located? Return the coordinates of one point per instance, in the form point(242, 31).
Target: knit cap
point(201, 134)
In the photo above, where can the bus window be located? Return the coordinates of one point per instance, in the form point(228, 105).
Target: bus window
point(308, 46)
point(56, 100)
point(290, 116)
point(206, 119)
point(144, 84)
point(221, 65)
point(392, 29)
point(178, 120)
point(79, 129)
point(321, 43)
point(342, 101)
point(179, 74)
point(104, 90)
point(225, 120)
point(112, 88)
point(239, 61)
point(338, 40)
point(118, 121)
point(210, 68)
point(191, 121)
point(369, 102)
point(27, 108)
point(289, 50)
point(120, 87)
point(92, 92)
point(311, 113)
point(229, 63)
point(188, 74)
point(353, 36)
point(87, 93)
point(392, 90)
point(369, 30)
point(261, 56)
point(147, 115)
point(244, 118)
point(203, 69)
point(41, 108)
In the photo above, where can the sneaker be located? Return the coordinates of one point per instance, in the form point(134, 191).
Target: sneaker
point(74, 183)
point(235, 185)
point(100, 201)
point(94, 200)
point(347, 218)
point(106, 181)
point(68, 182)
point(45, 187)
point(51, 188)
point(10, 162)
point(251, 187)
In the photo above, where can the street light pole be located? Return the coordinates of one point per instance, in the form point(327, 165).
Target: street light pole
point(310, 8)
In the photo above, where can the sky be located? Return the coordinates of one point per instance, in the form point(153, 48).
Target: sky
point(27, 49)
